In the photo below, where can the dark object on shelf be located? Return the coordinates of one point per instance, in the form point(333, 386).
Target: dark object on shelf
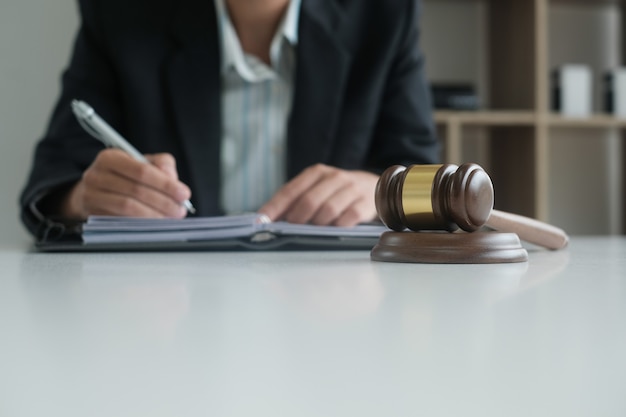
point(455, 97)
point(615, 92)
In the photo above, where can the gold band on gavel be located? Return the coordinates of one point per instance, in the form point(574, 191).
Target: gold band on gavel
point(417, 197)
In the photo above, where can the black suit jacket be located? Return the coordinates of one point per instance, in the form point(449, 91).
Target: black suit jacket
point(151, 68)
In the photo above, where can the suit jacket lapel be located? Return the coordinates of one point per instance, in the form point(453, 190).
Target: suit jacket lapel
point(194, 79)
point(195, 84)
point(323, 62)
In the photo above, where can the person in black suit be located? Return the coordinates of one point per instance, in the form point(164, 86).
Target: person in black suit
point(153, 70)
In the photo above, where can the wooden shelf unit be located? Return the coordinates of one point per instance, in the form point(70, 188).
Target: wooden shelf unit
point(519, 123)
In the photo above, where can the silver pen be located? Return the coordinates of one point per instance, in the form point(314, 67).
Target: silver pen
point(99, 129)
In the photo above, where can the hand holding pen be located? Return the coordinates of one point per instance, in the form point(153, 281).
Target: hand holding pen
point(123, 182)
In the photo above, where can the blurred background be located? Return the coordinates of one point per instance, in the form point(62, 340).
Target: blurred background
point(564, 170)
point(579, 186)
point(35, 41)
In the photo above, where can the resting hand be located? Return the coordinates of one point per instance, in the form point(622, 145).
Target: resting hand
point(325, 195)
point(116, 184)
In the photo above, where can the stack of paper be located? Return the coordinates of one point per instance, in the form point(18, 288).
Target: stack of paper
point(252, 227)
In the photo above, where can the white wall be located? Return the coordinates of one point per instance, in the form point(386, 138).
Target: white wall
point(35, 40)
point(453, 38)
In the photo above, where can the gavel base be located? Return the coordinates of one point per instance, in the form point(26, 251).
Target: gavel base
point(449, 248)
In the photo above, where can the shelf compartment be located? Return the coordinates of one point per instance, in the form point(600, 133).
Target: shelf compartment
point(487, 118)
point(594, 121)
point(590, 3)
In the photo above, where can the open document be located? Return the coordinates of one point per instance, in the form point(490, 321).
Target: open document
point(248, 231)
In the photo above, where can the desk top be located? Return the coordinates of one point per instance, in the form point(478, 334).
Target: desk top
point(312, 334)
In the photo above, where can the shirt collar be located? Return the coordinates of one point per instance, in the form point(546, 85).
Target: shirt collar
point(292, 18)
point(232, 53)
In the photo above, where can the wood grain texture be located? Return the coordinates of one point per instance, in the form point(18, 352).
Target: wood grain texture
point(449, 248)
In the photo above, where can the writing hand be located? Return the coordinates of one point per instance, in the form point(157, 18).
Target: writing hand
point(116, 184)
point(325, 195)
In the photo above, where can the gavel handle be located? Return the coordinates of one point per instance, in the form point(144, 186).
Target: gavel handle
point(528, 229)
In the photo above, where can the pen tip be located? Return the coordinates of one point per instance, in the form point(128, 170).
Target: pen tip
point(190, 208)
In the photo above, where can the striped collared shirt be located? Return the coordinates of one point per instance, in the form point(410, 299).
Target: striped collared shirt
point(256, 103)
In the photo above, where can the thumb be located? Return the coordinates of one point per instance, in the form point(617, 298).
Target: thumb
point(165, 162)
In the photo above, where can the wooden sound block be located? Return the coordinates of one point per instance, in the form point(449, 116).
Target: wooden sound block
point(449, 248)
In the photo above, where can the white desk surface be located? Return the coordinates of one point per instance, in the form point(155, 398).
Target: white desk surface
point(312, 334)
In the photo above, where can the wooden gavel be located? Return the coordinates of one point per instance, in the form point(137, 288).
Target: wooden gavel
point(448, 197)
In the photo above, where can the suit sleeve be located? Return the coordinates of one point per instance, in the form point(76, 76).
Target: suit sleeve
point(65, 151)
point(405, 132)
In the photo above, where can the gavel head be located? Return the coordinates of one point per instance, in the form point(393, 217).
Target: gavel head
point(434, 197)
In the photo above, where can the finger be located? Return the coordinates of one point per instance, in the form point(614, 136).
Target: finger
point(320, 195)
point(351, 204)
point(358, 212)
point(110, 183)
point(149, 175)
point(280, 203)
point(165, 162)
point(99, 202)
point(334, 207)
